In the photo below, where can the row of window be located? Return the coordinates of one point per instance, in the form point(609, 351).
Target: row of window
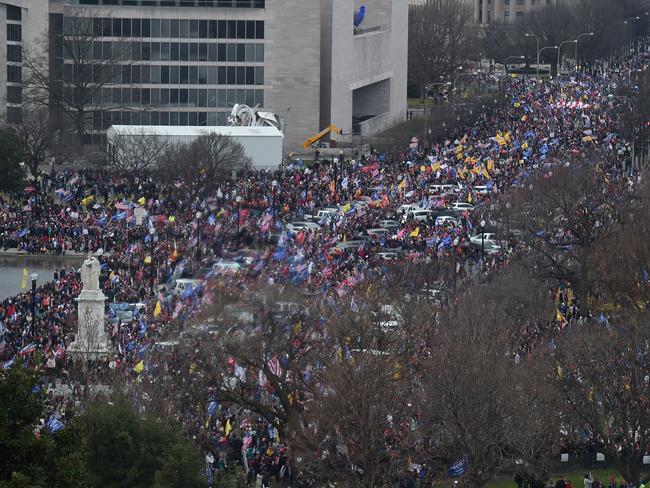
point(176, 97)
point(165, 51)
point(103, 120)
point(164, 28)
point(179, 3)
point(165, 75)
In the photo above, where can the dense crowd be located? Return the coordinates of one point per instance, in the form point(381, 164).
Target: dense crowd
point(148, 234)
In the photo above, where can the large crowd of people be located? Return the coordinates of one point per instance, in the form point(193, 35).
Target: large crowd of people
point(147, 234)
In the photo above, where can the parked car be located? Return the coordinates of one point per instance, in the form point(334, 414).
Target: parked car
point(421, 215)
point(462, 207)
point(389, 224)
point(446, 220)
point(302, 225)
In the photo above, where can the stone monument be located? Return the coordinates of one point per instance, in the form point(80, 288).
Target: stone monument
point(90, 341)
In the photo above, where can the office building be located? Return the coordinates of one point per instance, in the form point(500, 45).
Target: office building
point(22, 23)
point(187, 62)
point(505, 11)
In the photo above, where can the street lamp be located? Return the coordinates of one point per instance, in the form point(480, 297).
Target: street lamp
point(432, 85)
point(482, 224)
point(537, 50)
point(467, 73)
point(540, 52)
point(505, 63)
point(559, 53)
point(274, 186)
point(585, 34)
point(34, 278)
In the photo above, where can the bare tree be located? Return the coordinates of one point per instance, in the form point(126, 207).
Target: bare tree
point(77, 88)
point(564, 216)
point(602, 374)
point(204, 163)
point(135, 152)
point(473, 391)
point(440, 38)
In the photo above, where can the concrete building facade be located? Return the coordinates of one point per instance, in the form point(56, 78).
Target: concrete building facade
point(505, 11)
point(22, 23)
point(189, 61)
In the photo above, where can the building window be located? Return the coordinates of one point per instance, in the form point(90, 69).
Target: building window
point(520, 15)
point(14, 32)
point(14, 53)
point(14, 13)
point(14, 115)
point(14, 74)
point(14, 94)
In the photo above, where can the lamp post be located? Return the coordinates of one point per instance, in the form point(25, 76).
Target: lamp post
point(467, 73)
point(432, 85)
point(483, 242)
point(540, 52)
point(585, 34)
point(537, 49)
point(505, 63)
point(559, 54)
point(34, 278)
point(274, 186)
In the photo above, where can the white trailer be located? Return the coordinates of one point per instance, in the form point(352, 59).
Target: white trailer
point(263, 144)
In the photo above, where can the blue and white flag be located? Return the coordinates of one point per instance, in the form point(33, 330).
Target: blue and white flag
point(459, 468)
point(54, 425)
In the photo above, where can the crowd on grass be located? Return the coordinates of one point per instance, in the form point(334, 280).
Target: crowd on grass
point(147, 234)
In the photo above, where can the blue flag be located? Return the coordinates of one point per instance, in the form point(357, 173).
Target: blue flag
point(212, 408)
point(54, 425)
point(459, 468)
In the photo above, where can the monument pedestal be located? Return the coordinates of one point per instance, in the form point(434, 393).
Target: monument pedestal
point(90, 341)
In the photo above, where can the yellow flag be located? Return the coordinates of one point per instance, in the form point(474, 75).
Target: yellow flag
point(490, 165)
point(560, 372)
point(87, 200)
point(435, 167)
point(139, 368)
point(141, 201)
point(171, 219)
point(559, 317)
point(415, 233)
point(228, 427)
point(23, 284)
point(423, 169)
point(524, 146)
point(402, 184)
point(157, 309)
point(517, 104)
point(486, 174)
point(470, 198)
point(147, 260)
point(296, 327)
point(347, 207)
point(368, 290)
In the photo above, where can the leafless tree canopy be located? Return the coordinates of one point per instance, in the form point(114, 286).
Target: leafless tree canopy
point(135, 152)
point(76, 87)
point(441, 36)
point(203, 164)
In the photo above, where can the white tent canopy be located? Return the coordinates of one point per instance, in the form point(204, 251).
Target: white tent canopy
point(263, 144)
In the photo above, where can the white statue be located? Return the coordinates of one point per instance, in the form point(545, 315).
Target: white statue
point(90, 273)
point(91, 341)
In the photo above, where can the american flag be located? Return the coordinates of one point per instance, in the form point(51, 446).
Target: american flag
point(177, 309)
point(274, 366)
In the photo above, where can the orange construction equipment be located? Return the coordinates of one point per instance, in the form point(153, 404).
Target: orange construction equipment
point(317, 137)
